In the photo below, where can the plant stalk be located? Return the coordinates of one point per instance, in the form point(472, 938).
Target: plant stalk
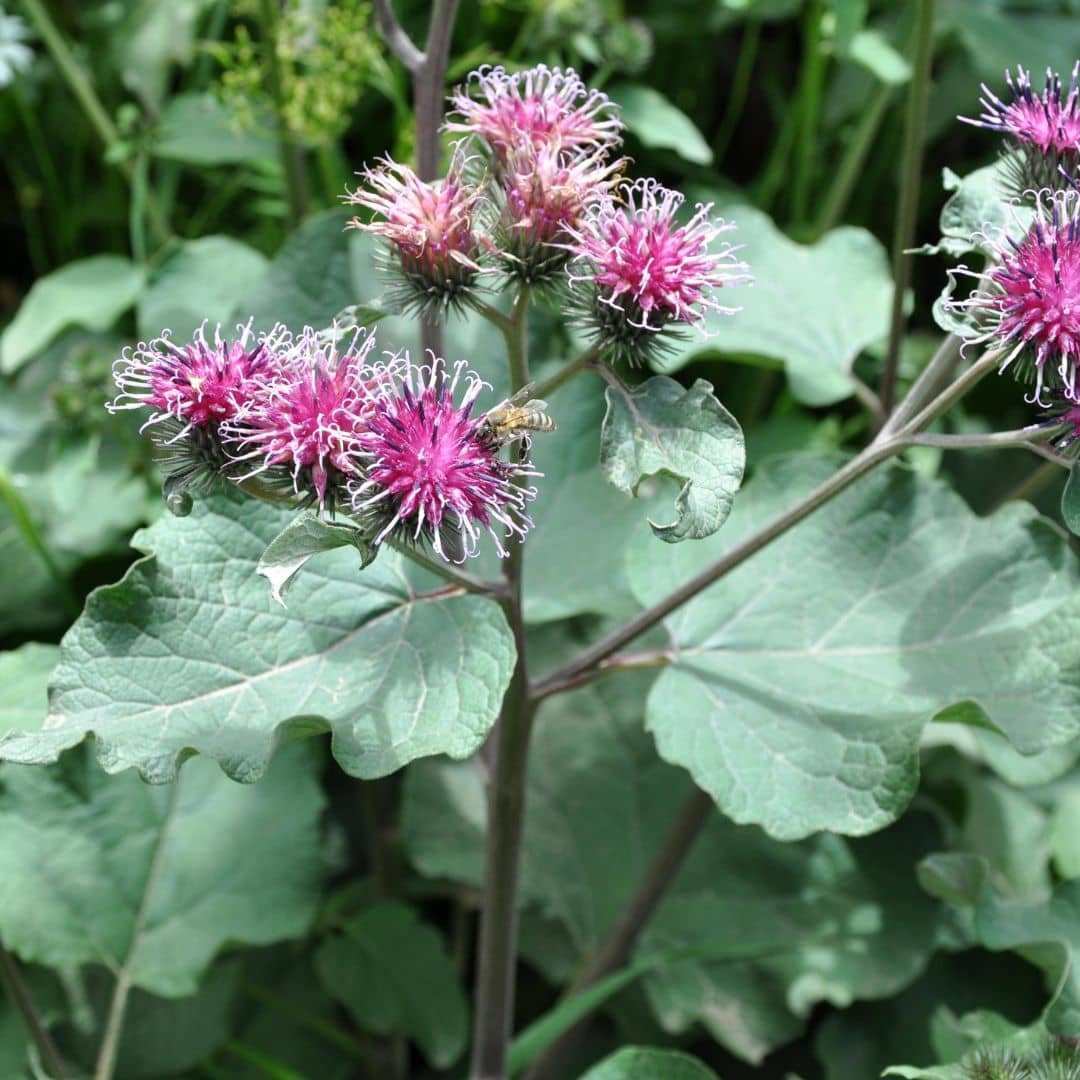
point(880, 450)
point(614, 951)
point(497, 946)
point(292, 157)
point(908, 208)
point(617, 946)
point(851, 165)
point(740, 85)
point(565, 374)
point(811, 85)
point(428, 71)
point(19, 994)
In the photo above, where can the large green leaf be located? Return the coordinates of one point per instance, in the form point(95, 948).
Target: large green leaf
point(190, 653)
point(196, 129)
point(801, 681)
point(1048, 932)
point(656, 122)
point(812, 308)
point(91, 292)
point(998, 39)
point(394, 976)
point(24, 676)
point(311, 278)
point(636, 1062)
point(154, 881)
point(661, 427)
point(204, 279)
point(753, 933)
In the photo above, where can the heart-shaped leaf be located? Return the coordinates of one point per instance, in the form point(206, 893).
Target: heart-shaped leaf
point(190, 653)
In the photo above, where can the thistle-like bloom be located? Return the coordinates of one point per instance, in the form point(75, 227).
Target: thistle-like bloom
point(430, 470)
point(432, 248)
point(304, 426)
point(192, 391)
point(642, 271)
point(544, 196)
point(539, 107)
point(198, 384)
point(1043, 129)
point(1028, 304)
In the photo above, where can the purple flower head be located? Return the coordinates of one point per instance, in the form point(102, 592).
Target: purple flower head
point(304, 426)
point(1028, 303)
point(539, 107)
point(1043, 129)
point(430, 470)
point(199, 384)
point(544, 196)
point(644, 271)
point(192, 391)
point(428, 228)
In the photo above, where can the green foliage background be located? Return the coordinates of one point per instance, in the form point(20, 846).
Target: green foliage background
point(885, 704)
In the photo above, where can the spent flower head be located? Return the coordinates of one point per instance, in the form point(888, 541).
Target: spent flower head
point(303, 427)
point(543, 196)
point(1028, 302)
point(431, 472)
point(538, 107)
point(1042, 130)
point(638, 270)
point(432, 248)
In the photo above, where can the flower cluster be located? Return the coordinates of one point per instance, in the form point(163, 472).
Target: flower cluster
point(643, 270)
point(534, 198)
point(1042, 131)
point(1027, 304)
point(312, 417)
point(432, 246)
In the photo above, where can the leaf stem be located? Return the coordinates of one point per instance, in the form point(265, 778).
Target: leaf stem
point(811, 84)
point(614, 951)
point(880, 450)
point(908, 207)
point(740, 85)
point(851, 164)
point(571, 370)
point(114, 1026)
point(940, 364)
point(462, 578)
point(16, 989)
point(497, 945)
point(80, 85)
point(292, 157)
point(27, 527)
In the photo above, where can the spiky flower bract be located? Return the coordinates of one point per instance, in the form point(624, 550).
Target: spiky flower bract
point(432, 249)
point(539, 107)
point(543, 197)
point(429, 471)
point(637, 271)
point(303, 428)
point(1028, 303)
point(1042, 130)
point(192, 390)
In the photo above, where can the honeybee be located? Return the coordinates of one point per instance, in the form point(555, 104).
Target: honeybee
point(517, 418)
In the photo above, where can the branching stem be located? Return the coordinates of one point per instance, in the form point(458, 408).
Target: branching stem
point(548, 386)
point(617, 946)
point(16, 989)
point(497, 947)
